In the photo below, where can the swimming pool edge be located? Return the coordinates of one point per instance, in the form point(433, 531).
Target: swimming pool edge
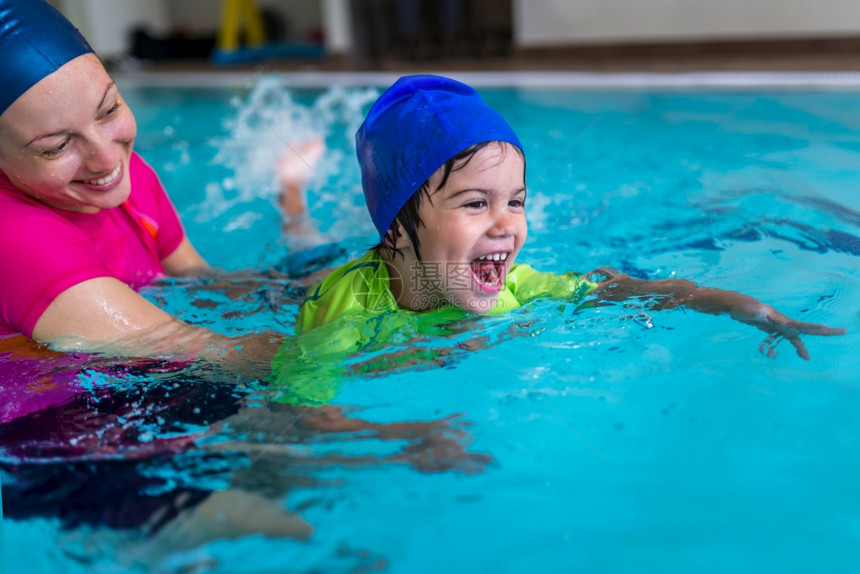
point(693, 81)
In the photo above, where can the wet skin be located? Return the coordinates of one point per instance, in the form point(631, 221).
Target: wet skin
point(66, 142)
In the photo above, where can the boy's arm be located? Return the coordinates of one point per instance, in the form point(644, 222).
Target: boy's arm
point(682, 293)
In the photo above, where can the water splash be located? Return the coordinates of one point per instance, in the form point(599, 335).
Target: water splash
point(264, 125)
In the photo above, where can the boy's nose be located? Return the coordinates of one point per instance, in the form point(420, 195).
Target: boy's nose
point(504, 224)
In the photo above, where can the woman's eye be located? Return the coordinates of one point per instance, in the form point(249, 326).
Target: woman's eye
point(55, 151)
point(112, 110)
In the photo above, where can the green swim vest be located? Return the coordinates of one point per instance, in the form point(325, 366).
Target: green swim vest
point(353, 309)
point(361, 286)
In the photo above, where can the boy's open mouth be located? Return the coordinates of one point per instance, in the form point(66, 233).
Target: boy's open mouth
point(489, 271)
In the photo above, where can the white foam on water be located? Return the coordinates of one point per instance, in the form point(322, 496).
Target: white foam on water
point(268, 123)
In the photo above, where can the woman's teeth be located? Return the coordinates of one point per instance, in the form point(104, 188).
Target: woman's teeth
point(106, 179)
point(494, 257)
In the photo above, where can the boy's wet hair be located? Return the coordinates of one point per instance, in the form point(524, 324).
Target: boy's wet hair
point(408, 215)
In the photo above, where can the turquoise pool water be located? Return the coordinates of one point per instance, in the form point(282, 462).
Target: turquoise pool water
point(585, 440)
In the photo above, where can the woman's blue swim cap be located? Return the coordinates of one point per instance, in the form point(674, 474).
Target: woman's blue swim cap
point(35, 41)
point(417, 125)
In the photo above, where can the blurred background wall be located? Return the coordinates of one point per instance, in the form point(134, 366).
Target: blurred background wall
point(369, 29)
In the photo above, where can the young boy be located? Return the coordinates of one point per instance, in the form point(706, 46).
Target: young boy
point(444, 179)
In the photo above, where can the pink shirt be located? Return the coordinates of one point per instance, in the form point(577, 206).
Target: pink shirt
point(44, 251)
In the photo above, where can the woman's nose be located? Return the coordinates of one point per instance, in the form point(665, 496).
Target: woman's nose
point(103, 153)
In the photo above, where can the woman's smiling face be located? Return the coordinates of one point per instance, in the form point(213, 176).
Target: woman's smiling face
point(472, 229)
point(67, 140)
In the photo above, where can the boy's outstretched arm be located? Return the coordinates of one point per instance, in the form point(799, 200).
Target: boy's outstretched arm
point(669, 293)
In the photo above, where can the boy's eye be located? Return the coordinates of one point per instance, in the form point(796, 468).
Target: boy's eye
point(517, 202)
point(477, 204)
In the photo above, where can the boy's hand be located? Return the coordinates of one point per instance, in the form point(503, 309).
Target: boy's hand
point(613, 285)
point(779, 326)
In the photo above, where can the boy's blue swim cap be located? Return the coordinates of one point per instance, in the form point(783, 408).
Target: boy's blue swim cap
point(35, 41)
point(417, 125)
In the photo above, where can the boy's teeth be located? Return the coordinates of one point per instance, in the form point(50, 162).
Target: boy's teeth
point(487, 269)
point(494, 257)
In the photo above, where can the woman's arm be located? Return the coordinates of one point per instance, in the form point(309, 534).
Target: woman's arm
point(671, 293)
point(105, 315)
point(185, 261)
